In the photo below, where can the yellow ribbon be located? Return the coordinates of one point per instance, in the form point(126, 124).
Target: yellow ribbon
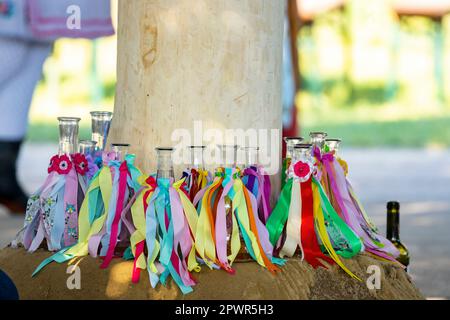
point(240, 205)
point(86, 230)
point(139, 221)
point(204, 240)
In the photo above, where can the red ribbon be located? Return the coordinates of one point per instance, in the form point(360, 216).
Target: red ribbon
point(194, 184)
point(310, 245)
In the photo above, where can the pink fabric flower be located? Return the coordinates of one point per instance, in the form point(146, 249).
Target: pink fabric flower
point(301, 169)
point(81, 164)
point(64, 165)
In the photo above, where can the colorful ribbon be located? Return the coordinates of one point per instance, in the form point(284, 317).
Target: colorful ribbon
point(258, 182)
point(305, 216)
point(99, 220)
point(52, 211)
point(349, 208)
point(228, 211)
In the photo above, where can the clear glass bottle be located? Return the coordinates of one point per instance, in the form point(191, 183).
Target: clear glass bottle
point(164, 163)
point(251, 156)
point(241, 158)
point(228, 155)
point(120, 149)
point(87, 147)
point(318, 139)
point(290, 143)
point(197, 157)
point(101, 122)
point(68, 135)
point(302, 152)
point(332, 145)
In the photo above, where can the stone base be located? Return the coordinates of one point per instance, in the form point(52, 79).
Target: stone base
point(297, 280)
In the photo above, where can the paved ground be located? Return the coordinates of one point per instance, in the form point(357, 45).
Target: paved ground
point(419, 179)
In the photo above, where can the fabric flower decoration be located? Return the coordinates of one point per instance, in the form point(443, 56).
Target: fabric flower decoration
point(54, 164)
point(64, 165)
point(81, 163)
point(302, 169)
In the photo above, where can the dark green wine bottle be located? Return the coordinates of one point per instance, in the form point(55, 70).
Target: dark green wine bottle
point(393, 231)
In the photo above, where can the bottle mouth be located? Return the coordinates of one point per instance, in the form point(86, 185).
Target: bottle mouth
point(69, 119)
point(196, 147)
point(393, 205)
point(225, 146)
point(164, 149)
point(293, 138)
point(120, 145)
point(303, 146)
point(333, 140)
point(318, 132)
point(101, 113)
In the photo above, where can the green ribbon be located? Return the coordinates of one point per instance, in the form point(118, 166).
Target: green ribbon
point(283, 172)
point(345, 242)
point(277, 220)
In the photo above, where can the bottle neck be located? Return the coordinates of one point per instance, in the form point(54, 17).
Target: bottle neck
point(101, 122)
point(393, 224)
point(165, 164)
point(197, 158)
point(68, 135)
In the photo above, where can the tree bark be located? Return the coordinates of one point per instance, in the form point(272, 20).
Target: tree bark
point(217, 61)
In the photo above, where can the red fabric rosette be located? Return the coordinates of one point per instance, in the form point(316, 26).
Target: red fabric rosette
point(80, 163)
point(302, 169)
point(64, 165)
point(54, 164)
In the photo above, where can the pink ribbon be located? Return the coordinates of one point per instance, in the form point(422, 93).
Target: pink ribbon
point(120, 205)
point(71, 208)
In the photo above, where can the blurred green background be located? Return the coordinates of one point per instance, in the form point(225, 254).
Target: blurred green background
point(367, 77)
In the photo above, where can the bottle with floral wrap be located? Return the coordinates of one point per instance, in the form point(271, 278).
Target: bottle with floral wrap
point(290, 143)
point(52, 211)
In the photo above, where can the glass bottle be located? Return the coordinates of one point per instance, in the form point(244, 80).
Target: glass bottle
point(302, 152)
point(393, 231)
point(318, 139)
point(228, 155)
point(68, 135)
point(290, 143)
point(197, 157)
point(164, 163)
point(241, 158)
point(332, 145)
point(87, 147)
point(251, 157)
point(120, 149)
point(101, 122)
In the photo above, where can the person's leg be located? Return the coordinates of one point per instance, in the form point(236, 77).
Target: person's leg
point(16, 92)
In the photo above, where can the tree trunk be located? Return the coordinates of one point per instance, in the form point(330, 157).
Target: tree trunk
point(217, 61)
